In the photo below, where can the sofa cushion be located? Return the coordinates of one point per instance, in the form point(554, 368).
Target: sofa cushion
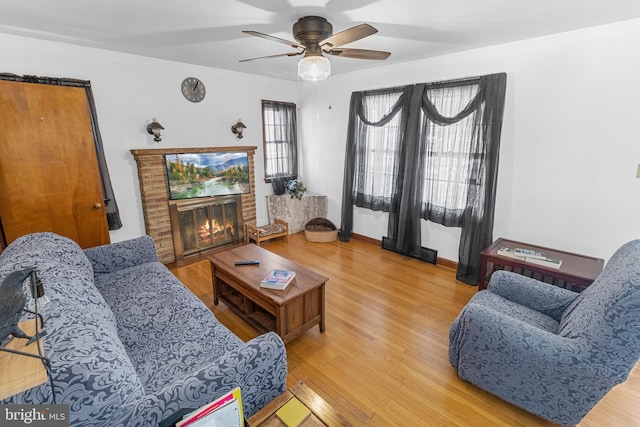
point(119, 255)
point(168, 333)
point(89, 365)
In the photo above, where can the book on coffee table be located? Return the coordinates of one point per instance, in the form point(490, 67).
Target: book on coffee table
point(277, 279)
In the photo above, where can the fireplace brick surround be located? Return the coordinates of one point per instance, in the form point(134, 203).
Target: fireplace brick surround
point(154, 191)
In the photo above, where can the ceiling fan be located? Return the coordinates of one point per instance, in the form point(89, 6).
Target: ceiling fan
point(314, 36)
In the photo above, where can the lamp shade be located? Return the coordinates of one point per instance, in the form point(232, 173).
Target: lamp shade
point(314, 68)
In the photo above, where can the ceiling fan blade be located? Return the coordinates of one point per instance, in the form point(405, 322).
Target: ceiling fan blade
point(273, 56)
point(349, 35)
point(358, 53)
point(274, 38)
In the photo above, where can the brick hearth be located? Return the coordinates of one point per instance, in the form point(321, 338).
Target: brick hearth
point(155, 194)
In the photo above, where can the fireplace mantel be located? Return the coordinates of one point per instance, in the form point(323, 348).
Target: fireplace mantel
point(163, 151)
point(154, 191)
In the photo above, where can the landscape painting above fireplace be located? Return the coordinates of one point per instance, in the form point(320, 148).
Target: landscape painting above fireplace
point(193, 175)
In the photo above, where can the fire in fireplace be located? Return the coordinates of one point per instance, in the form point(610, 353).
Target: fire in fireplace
point(199, 225)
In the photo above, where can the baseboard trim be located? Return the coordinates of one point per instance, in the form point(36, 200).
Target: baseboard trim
point(447, 263)
point(442, 262)
point(366, 239)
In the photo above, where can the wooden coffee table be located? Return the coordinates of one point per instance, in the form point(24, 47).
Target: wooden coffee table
point(289, 313)
point(322, 414)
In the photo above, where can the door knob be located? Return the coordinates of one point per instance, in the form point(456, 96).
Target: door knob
point(97, 205)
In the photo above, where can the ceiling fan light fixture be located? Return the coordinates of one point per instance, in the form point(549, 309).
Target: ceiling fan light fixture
point(314, 68)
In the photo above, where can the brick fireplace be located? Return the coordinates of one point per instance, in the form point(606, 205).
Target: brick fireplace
point(154, 191)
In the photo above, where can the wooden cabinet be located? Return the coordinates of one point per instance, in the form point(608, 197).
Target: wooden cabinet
point(575, 273)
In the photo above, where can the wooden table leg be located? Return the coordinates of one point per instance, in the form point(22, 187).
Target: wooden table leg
point(322, 308)
point(213, 284)
point(280, 326)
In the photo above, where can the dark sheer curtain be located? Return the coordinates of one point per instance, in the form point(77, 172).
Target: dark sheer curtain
point(376, 127)
point(111, 207)
point(477, 221)
point(279, 122)
point(446, 167)
point(113, 213)
point(403, 235)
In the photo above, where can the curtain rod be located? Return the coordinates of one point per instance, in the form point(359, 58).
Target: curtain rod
point(45, 80)
point(441, 84)
point(456, 82)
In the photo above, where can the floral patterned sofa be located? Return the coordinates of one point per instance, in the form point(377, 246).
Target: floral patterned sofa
point(549, 350)
point(130, 345)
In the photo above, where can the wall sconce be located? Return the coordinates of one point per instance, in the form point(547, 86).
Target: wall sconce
point(154, 129)
point(238, 128)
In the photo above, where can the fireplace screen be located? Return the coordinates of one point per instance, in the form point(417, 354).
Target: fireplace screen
point(202, 225)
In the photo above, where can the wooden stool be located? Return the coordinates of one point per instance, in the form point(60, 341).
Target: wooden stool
point(263, 233)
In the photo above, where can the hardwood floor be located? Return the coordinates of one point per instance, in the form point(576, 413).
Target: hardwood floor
point(383, 360)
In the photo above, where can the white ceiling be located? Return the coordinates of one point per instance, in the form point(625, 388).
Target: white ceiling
point(208, 32)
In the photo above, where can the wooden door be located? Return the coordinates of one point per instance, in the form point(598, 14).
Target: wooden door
point(49, 176)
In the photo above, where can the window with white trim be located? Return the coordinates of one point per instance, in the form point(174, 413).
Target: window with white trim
point(279, 133)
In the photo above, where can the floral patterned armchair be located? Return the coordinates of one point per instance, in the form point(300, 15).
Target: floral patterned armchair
point(548, 350)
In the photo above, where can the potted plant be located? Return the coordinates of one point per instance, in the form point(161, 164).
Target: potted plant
point(296, 189)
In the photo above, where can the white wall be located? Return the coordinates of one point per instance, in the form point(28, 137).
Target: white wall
point(569, 153)
point(570, 141)
point(129, 90)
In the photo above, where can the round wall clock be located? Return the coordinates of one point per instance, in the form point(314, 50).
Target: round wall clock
point(193, 89)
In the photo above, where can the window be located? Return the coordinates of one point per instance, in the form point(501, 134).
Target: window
point(380, 131)
point(453, 158)
point(280, 140)
point(450, 157)
point(443, 155)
